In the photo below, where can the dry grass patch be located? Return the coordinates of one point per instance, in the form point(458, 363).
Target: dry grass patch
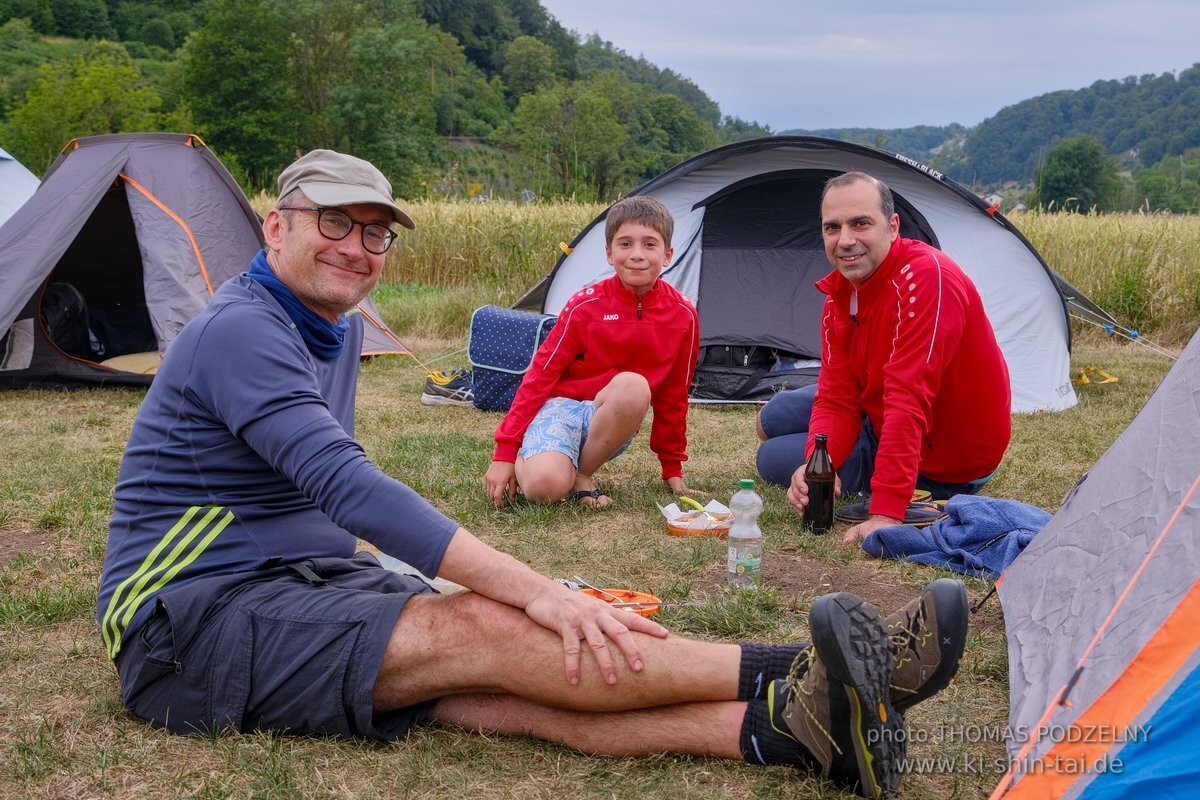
point(63, 732)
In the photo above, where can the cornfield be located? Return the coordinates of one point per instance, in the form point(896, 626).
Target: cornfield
point(1143, 268)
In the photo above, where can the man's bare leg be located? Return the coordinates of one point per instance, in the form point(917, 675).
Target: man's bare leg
point(699, 729)
point(469, 644)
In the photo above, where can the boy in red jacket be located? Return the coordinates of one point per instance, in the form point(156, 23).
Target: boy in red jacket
point(619, 347)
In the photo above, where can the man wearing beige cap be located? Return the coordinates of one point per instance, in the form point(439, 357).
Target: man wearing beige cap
point(232, 597)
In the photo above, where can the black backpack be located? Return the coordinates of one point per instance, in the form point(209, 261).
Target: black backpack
point(65, 318)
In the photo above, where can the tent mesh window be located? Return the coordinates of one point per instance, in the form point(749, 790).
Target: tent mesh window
point(759, 234)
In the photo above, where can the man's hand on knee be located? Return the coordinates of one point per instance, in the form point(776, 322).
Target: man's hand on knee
point(580, 619)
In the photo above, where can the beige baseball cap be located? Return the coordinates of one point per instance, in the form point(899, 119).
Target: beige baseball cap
point(336, 179)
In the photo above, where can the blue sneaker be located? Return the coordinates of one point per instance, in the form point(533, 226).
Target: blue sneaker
point(449, 388)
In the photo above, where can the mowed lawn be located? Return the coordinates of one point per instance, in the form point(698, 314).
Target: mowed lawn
point(63, 732)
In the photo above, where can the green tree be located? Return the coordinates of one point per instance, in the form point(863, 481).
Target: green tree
point(102, 93)
point(736, 129)
point(467, 103)
point(40, 13)
point(383, 107)
point(529, 65)
point(482, 26)
point(1077, 176)
point(573, 131)
point(158, 32)
point(235, 70)
point(681, 132)
point(82, 19)
point(1158, 192)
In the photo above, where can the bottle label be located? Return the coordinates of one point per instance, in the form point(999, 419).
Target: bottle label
point(750, 566)
point(744, 565)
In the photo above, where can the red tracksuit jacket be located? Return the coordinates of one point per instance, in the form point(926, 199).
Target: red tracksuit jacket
point(605, 329)
point(920, 357)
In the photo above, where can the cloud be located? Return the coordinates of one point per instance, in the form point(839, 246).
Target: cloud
point(877, 64)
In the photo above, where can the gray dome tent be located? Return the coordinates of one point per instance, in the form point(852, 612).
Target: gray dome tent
point(123, 243)
point(748, 249)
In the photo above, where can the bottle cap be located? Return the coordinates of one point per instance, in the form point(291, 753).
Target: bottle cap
point(746, 483)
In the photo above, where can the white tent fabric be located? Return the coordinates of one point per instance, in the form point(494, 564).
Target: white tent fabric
point(17, 184)
point(1021, 294)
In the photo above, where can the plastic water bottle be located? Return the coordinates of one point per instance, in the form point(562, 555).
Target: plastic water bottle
point(745, 538)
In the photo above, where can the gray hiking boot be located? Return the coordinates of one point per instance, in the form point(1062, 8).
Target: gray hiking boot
point(836, 703)
point(927, 637)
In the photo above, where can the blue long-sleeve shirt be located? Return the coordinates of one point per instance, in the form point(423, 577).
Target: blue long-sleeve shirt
point(241, 454)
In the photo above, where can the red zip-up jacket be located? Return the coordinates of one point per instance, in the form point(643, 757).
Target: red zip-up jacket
point(919, 356)
point(605, 329)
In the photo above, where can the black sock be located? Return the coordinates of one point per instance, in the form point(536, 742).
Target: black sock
point(760, 743)
point(761, 664)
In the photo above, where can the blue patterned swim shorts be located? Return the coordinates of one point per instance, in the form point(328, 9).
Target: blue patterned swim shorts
point(561, 426)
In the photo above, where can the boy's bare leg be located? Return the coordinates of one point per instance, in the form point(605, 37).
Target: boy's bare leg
point(546, 477)
point(700, 729)
point(621, 407)
point(466, 643)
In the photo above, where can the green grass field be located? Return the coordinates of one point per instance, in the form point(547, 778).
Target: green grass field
point(63, 732)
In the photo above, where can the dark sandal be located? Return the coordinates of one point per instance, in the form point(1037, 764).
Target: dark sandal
point(918, 514)
point(595, 494)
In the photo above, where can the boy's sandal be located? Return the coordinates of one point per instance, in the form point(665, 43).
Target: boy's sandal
point(594, 494)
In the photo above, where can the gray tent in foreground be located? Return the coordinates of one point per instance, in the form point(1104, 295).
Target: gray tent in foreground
point(748, 248)
point(17, 184)
point(123, 243)
point(1102, 612)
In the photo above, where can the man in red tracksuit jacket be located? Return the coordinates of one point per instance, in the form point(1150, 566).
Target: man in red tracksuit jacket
point(620, 346)
point(906, 342)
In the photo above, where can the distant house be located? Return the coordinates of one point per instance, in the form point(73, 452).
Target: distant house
point(994, 199)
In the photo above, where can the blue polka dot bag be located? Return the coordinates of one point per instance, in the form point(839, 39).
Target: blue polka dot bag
point(501, 348)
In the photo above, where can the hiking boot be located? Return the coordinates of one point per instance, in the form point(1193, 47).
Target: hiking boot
point(448, 388)
point(835, 701)
point(927, 637)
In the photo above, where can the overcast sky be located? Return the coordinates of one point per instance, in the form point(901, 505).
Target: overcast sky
point(795, 64)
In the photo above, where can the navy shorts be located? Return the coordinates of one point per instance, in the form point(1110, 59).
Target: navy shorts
point(292, 649)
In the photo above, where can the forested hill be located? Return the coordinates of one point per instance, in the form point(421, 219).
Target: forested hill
point(448, 97)
point(1140, 120)
point(471, 97)
point(1143, 119)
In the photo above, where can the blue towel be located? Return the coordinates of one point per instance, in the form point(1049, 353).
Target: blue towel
point(981, 536)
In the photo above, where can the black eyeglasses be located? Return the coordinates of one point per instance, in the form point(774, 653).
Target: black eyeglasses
point(335, 224)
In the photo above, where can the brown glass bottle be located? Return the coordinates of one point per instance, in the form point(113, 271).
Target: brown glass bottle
point(818, 474)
